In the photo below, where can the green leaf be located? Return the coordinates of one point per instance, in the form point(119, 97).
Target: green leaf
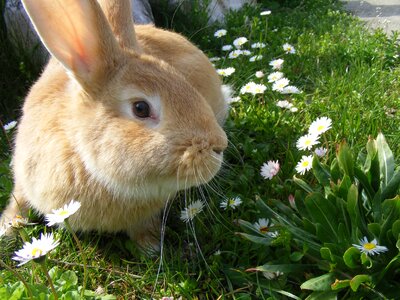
point(335, 171)
point(70, 279)
point(352, 258)
point(392, 187)
point(366, 260)
point(353, 209)
point(324, 213)
point(345, 160)
point(357, 280)
point(326, 295)
point(386, 160)
point(284, 268)
point(72, 295)
point(340, 284)
point(320, 172)
point(375, 229)
point(301, 183)
point(320, 283)
point(373, 168)
point(391, 212)
point(326, 254)
point(296, 256)
point(17, 290)
point(396, 229)
point(256, 239)
point(362, 178)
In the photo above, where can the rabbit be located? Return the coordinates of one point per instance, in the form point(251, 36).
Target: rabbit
point(121, 119)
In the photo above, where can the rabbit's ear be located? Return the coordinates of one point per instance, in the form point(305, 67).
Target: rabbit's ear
point(77, 33)
point(119, 15)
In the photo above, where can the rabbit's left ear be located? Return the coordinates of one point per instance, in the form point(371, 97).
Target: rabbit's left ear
point(119, 15)
point(77, 33)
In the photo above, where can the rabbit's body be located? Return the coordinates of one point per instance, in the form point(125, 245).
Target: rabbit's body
point(83, 136)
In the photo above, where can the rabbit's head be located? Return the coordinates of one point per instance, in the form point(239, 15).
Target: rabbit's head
point(137, 125)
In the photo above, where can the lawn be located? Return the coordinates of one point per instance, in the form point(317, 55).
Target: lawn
point(307, 203)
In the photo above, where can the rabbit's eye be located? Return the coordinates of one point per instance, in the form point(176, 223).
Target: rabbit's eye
point(141, 109)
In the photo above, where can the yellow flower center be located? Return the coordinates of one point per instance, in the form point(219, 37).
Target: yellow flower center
point(369, 246)
point(305, 163)
point(264, 229)
point(36, 252)
point(231, 202)
point(320, 127)
point(63, 213)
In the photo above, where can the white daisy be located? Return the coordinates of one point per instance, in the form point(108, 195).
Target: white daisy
point(258, 45)
point(253, 88)
point(260, 74)
point(226, 72)
point(306, 142)
point(290, 89)
point(284, 104)
point(246, 52)
point(305, 164)
point(289, 48)
point(239, 42)
point(321, 151)
point(235, 54)
point(35, 249)
point(227, 48)
point(294, 109)
point(214, 58)
point(264, 226)
point(265, 13)
point(320, 125)
point(255, 58)
point(220, 33)
point(59, 215)
point(10, 125)
point(276, 64)
point(231, 202)
point(370, 248)
point(280, 84)
point(275, 76)
point(270, 169)
point(192, 210)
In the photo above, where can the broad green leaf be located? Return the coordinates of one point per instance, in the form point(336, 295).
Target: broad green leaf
point(72, 295)
point(386, 160)
point(17, 290)
point(366, 260)
point(335, 171)
point(375, 229)
point(296, 256)
point(373, 169)
point(70, 279)
point(345, 160)
point(327, 254)
point(396, 229)
point(377, 206)
point(353, 209)
point(256, 239)
point(340, 284)
point(284, 268)
point(343, 234)
point(301, 183)
point(326, 295)
point(357, 280)
point(392, 189)
point(324, 213)
point(391, 212)
point(320, 283)
point(362, 178)
point(352, 257)
point(320, 172)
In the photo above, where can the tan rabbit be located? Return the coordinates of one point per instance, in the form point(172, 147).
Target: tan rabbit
point(117, 121)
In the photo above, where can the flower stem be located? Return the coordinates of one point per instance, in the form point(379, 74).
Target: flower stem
point(46, 273)
point(78, 243)
point(28, 289)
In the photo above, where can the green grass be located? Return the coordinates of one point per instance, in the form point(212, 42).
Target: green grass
point(345, 72)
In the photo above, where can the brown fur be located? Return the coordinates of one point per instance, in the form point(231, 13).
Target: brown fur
point(74, 142)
